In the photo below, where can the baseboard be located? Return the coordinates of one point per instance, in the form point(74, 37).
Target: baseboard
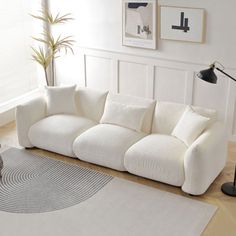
point(7, 117)
point(7, 109)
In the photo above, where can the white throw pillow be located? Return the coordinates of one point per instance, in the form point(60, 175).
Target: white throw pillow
point(190, 126)
point(147, 103)
point(128, 116)
point(61, 100)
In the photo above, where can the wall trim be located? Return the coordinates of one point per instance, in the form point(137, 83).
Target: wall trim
point(112, 51)
point(7, 109)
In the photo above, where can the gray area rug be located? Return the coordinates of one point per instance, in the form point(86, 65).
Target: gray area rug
point(34, 184)
point(107, 206)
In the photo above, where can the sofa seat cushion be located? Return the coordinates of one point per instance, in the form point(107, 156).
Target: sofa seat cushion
point(159, 157)
point(57, 133)
point(105, 145)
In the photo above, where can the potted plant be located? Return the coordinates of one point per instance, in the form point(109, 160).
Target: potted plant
point(51, 46)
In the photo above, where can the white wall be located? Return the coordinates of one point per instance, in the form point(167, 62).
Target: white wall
point(18, 74)
point(168, 73)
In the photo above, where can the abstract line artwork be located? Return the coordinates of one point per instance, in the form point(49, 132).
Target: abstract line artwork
point(183, 24)
point(180, 23)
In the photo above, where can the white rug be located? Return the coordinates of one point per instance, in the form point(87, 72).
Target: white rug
point(121, 208)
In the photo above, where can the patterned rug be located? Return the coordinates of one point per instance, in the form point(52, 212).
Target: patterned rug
point(35, 184)
point(73, 200)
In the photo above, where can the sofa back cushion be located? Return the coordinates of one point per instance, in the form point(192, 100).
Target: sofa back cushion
point(90, 103)
point(168, 114)
point(145, 103)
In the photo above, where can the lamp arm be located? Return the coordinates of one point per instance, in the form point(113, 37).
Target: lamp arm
point(225, 73)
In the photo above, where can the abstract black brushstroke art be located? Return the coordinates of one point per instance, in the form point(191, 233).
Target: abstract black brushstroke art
point(183, 24)
point(136, 5)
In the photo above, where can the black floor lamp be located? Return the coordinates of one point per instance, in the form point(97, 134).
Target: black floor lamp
point(209, 75)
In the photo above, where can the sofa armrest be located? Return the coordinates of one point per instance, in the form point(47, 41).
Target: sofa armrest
point(26, 115)
point(205, 159)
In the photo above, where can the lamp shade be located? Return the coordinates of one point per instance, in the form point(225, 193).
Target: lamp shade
point(208, 75)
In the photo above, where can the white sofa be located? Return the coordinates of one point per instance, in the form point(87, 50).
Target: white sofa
point(152, 152)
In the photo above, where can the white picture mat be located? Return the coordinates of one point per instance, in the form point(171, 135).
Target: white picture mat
point(138, 42)
point(171, 16)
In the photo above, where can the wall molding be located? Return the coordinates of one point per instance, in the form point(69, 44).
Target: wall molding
point(167, 59)
point(7, 109)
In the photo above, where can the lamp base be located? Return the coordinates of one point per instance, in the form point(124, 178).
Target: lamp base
point(229, 189)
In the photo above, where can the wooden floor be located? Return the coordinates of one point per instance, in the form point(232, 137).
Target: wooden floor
point(222, 224)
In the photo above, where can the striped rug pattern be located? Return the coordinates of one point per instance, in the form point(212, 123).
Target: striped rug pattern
point(35, 184)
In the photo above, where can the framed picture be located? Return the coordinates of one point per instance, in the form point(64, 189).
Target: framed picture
point(180, 23)
point(139, 23)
